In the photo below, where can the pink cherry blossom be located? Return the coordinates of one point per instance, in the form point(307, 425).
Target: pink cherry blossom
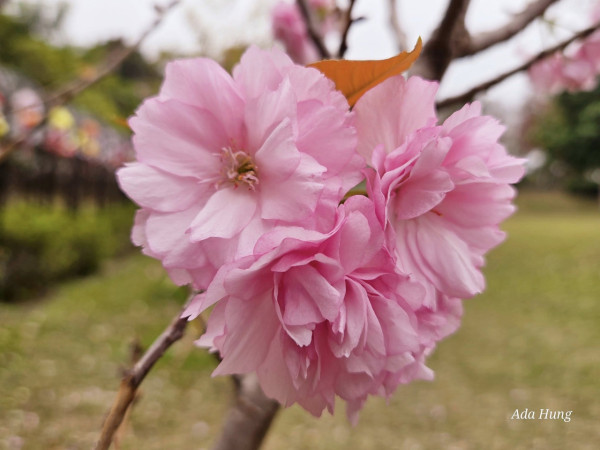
point(578, 75)
point(441, 190)
point(546, 75)
point(221, 159)
point(289, 28)
point(560, 73)
point(573, 72)
point(584, 67)
point(590, 51)
point(317, 315)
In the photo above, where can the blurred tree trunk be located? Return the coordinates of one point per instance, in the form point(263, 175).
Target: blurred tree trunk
point(249, 419)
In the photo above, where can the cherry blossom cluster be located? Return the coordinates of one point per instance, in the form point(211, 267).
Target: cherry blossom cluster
point(246, 184)
point(576, 72)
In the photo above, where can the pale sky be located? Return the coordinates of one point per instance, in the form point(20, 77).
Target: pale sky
point(210, 25)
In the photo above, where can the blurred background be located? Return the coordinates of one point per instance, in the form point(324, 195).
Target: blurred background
point(76, 296)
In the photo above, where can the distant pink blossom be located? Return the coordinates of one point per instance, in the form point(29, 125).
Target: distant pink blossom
point(441, 190)
point(578, 75)
point(289, 28)
point(547, 76)
point(317, 315)
point(590, 51)
point(221, 159)
point(573, 72)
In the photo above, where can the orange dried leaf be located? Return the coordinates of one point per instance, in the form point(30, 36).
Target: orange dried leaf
point(354, 78)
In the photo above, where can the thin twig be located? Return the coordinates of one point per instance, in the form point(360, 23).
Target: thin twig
point(133, 378)
point(516, 24)
point(136, 352)
point(316, 38)
point(468, 95)
point(347, 24)
point(396, 27)
point(72, 89)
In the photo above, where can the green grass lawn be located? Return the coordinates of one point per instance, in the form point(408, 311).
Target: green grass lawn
point(530, 341)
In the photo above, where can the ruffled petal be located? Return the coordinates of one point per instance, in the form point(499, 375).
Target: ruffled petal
point(201, 82)
point(225, 214)
point(139, 181)
point(381, 121)
point(179, 138)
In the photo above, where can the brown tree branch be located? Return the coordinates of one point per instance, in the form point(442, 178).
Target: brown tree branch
point(315, 37)
point(72, 89)
point(347, 24)
point(134, 377)
point(517, 23)
point(470, 94)
point(136, 352)
point(248, 420)
point(450, 36)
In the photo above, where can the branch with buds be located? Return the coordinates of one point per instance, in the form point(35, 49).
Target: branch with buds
point(134, 377)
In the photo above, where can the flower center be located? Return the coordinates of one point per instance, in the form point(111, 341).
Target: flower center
point(239, 168)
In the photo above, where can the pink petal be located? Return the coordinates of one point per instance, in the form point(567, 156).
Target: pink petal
point(164, 230)
point(295, 199)
point(381, 121)
point(300, 334)
point(178, 138)
point(427, 184)
point(251, 327)
point(275, 107)
point(274, 375)
point(478, 204)
point(138, 232)
point(139, 181)
point(307, 284)
point(225, 214)
point(203, 83)
point(375, 340)
point(355, 245)
point(468, 111)
point(475, 136)
point(326, 135)
point(355, 320)
point(310, 84)
point(446, 258)
point(195, 308)
point(398, 329)
point(259, 71)
point(215, 330)
point(278, 158)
